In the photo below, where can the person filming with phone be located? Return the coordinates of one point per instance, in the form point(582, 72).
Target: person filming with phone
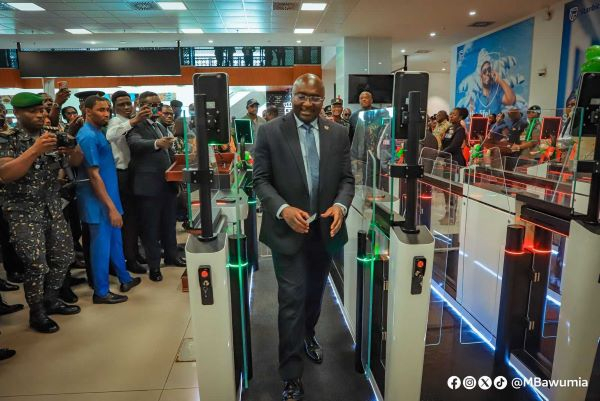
point(151, 148)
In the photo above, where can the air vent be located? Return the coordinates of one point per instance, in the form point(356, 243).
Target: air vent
point(143, 6)
point(285, 6)
point(6, 7)
point(482, 24)
point(423, 51)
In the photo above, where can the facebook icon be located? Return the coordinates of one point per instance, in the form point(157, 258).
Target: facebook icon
point(454, 382)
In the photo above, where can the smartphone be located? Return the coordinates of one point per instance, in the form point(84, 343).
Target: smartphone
point(154, 111)
point(63, 85)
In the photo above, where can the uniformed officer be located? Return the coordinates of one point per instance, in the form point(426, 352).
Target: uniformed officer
point(29, 164)
point(337, 108)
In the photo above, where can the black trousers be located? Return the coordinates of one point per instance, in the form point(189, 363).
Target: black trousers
point(10, 259)
point(301, 279)
point(157, 220)
point(129, 231)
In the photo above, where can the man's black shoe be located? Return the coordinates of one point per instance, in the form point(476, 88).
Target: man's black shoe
point(313, 349)
point(110, 299)
point(6, 353)
point(39, 320)
point(155, 275)
point(15, 277)
point(127, 286)
point(292, 390)
point(66, 294)
point(6, 309)
point(136, 268)
point(179, 262)
point(59, 307)
point(6, 286)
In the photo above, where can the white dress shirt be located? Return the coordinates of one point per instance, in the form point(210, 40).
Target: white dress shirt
point(302, 137)
point(118, 127)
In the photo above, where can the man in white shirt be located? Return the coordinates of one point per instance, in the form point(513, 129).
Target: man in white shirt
point(118, 127)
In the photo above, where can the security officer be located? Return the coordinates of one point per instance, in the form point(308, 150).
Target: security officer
point(337, 108)
point(29, 164)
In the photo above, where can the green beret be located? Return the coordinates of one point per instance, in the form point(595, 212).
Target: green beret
point(24, 100)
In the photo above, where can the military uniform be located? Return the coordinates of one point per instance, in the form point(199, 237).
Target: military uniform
point(38, 230)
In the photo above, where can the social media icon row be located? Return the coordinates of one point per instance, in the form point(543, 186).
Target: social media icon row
point(484, 382)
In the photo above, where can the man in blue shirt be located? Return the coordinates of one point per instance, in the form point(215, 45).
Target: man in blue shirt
point(100, 205)
point(494, 92)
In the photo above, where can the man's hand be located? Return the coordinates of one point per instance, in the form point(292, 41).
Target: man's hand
point(337, 213)
point(45, 143)
point(296, 219)
point(115, 218)
point(62, 95)
point(165, 142)
point(495, 76)
point(515, 148)
point(144, 113)
point(75, 126)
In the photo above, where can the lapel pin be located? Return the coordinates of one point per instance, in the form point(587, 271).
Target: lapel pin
point(326, 127)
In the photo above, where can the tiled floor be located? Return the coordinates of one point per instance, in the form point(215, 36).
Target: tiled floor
point(122, 352)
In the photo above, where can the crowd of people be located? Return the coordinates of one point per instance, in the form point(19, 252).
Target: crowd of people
point(83, 192)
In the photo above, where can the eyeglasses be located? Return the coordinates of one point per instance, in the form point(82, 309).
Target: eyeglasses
point(313, 99)
point(152, 104)
point(167, 114)
point(486, 70)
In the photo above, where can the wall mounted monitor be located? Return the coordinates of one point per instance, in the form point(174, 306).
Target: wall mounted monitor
point(380, 86)
point(99, 63)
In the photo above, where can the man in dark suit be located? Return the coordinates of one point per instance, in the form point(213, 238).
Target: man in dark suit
point(151, 155)
point(303, 177)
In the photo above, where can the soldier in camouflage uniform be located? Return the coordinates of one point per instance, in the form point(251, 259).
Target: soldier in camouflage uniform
point(31, 204)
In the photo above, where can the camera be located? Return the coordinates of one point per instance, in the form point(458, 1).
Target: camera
point(63, 140)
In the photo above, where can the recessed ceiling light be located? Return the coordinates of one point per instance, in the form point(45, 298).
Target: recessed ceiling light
point(403, 51)
point(78, 31)
point(313, 6)
point(171, 5)
point(26, 6)
point(304, 30)
point(191, 30)
point(432, 34)
point(123, 41)
point(93, 42)
point(211, 41)
point(472, 13)
point(444, 69)
point(380, 63)
point(298, 41)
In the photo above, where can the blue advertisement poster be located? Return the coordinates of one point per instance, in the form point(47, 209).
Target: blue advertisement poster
point(581, 29)
point(493, 72)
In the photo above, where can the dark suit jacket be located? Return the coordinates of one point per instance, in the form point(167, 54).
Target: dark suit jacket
point(280, 177)
point(148, 165)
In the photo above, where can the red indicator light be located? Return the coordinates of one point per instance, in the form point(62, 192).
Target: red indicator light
point(420, 264)
point(204, 274)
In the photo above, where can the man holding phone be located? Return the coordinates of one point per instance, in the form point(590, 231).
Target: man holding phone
point(118, 127)
point(151, 155)
point(32, 206)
